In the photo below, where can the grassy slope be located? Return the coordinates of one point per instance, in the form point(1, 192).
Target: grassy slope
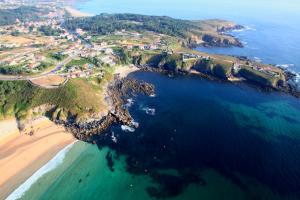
point(190, 32)
point(23, 13)
point(78, 97)
point(258, 77)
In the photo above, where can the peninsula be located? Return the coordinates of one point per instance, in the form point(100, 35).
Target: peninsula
point(72, 68)
point(58, 65)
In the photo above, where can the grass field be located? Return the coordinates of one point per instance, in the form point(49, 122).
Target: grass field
point(78, 97)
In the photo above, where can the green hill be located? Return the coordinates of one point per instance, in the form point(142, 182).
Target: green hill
point(200, 32)
point(23, 13)
point(77, 98)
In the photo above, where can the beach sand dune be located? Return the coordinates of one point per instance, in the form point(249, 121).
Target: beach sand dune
point(21, 155)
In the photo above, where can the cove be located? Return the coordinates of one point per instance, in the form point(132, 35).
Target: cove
point(206, 139)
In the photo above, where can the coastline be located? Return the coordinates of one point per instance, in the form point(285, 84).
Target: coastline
point(123, 71)
point(77, 13)
point(22, 155)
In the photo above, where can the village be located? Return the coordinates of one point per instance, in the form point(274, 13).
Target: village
point(44, 46)
point(28, 48)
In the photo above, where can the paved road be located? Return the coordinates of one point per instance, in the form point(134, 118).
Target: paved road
point(52, 72)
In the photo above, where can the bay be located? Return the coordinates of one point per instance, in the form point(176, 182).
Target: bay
point(206, 140)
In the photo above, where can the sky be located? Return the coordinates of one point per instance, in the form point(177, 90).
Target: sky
point(257, 9)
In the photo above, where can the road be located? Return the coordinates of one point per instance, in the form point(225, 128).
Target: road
point(52, 72)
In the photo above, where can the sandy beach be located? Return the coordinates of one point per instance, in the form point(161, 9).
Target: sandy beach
point(123, 71)
point(8, 129)
point(77, 13)
point(21, 154)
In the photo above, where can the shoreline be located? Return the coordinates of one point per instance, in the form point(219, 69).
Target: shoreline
point(24, 153)
point(49, 166)
point(21, 155)
point(77, 13)
point(124, 71)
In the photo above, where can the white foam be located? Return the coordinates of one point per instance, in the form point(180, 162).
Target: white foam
point(246, 28)
point(285, 65)
point(295, 82)
point(149, 111)
point(250, 28)
point(114, 138)
point(127, 128)
point(296, 79)
point(257, 59)
point(238, 30)
point(51, 165)
point(135, 124)
point(152, 95)
point(129, 103)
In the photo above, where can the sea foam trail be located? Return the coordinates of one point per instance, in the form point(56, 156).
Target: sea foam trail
point(296, 79)
point(51, 165)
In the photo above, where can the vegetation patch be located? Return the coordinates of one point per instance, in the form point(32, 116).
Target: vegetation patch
point(23, 13)
point(78, 98)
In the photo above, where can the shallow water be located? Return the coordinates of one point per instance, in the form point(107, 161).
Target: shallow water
point(206, 140)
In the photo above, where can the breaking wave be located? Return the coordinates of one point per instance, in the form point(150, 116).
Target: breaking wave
point(296, 78)
point(127, 128)
point(51, 165)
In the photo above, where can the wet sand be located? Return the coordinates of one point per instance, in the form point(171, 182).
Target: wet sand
point(21, 154)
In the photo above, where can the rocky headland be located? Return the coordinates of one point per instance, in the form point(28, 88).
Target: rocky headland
point(118, 91)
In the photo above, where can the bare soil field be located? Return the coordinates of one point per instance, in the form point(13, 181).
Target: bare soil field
point(49, 81)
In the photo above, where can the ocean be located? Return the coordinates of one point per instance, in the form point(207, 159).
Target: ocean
point(201, 140)
point(272, 33)
point(197, 139)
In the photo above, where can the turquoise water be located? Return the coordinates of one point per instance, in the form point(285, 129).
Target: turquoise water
point(207, 140)
point(85, 175)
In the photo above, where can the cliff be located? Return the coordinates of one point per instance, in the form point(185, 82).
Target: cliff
point(190, 32)
point(261, 78)
point(220, 67)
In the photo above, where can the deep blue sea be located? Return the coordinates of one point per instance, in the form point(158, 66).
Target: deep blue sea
point(201, 140)
point(197, 139)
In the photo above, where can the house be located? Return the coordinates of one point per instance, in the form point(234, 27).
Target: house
point(70, 37)
point(102, 44)
point(108, 51)
point(79, 31)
